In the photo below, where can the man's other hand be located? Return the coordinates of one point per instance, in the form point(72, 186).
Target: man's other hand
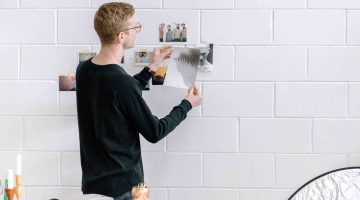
point(159, 55)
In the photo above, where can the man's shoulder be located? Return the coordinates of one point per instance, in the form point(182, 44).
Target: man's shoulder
point(122, 81)
point(117, 76)
point(81, 64)
point(81, 69)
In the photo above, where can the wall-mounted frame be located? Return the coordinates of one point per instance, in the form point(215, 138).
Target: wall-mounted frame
point(206, 57)
point(143, 56)
point(172, 32)
point(67, 81)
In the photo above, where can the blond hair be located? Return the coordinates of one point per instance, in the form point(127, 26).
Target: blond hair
point(110, 19)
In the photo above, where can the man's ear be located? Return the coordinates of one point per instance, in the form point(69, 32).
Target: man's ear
point(120, 37)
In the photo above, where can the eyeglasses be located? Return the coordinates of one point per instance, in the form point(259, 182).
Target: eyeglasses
point(137, 28)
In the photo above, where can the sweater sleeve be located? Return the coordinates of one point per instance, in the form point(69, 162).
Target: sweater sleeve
point(143, 77)
point(139, 115)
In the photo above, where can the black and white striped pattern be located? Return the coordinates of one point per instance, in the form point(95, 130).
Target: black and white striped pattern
point(190, 57)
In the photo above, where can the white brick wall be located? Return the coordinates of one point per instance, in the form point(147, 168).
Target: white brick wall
point(281, 107)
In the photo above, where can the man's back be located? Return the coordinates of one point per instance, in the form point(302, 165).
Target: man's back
point(111, 114)
point(107, 142)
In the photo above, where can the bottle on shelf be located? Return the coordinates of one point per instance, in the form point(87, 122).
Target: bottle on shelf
point(5, 186)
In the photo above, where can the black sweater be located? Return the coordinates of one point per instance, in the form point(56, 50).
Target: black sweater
point(111, 114)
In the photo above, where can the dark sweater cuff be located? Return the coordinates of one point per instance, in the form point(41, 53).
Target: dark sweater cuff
point(145, 75)
point(147, 72)
point(187, 105)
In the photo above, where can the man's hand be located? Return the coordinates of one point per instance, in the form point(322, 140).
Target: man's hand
point(194, 96)
point(159, 55)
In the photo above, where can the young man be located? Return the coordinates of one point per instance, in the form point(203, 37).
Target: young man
point(169, 34)
point(161, 32)
point(176, 34)
point(111, 110)
point(183, 33)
